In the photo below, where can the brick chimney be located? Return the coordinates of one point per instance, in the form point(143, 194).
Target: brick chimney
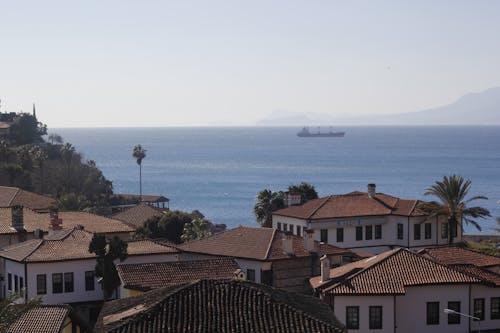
point(325, 268)
point(309, 240)
point(287, 243)
point(17, 218)
point(55, 222)
point(372, 190)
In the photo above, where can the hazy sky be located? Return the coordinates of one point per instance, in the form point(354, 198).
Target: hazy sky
point(171, 63)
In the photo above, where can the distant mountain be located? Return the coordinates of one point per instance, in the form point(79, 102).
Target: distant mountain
point(481, 108)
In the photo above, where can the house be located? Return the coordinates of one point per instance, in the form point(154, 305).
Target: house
point(459, 255)
point(14, 196)
point(58, 318)
point(60, 268)
point(135, 216)
point(367, 221)
point(148, 199)
point(402, 291)
point(218, 306)
point(267, 255)
point(18, 224)
point(139, 278)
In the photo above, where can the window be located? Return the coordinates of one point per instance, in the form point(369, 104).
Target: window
point(251, 274)
point(57, 283)
point(375, 317)
point(378, 231)
point(324, 235)
point(400, 230)
point(368, 232)
point(479, 308)
point(41, 284)
point(68, 283)
point(428, 230)
point(340, 235)
point(359, 233)
point(21, 285)
point(285, 227)
point(16, 283)
point(89, 280)
point(9, 282)
point(495, 308)
point(299, 231)
point(444, 230)
point(416, 231)
point(291, 228)
point(279, 226)
point(432, 313)
point(454, 318)
point(352, 317)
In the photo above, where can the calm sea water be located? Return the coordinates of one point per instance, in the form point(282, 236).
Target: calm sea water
point(220, 170)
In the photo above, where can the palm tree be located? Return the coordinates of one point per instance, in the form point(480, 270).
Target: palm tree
point(139, 154)
point(452, 192)
point(267, 202)
point(39, 157)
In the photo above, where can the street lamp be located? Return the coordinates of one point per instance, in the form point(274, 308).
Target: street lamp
point(450, 311)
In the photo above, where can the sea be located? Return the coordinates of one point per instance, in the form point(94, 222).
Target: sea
point(220, 170)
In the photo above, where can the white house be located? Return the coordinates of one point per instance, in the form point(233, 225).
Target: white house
point(366, 221)
point(60, 268)
point(402, 291)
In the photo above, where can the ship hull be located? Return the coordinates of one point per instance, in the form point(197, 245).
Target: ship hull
point(321, 135)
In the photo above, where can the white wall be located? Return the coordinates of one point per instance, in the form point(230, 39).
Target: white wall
point(411, 309)
point(14, 268)
point(364, 302)
point(481, 291)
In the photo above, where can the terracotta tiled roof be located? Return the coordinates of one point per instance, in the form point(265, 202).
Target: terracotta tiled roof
point(148, 246)
point(352, 205)
point(455, 255)
point(390, 273)
point(137, 215)
point(91, 222)
point(173, 274)
point(48, 318)
point(72, 245)
point(44, 318)
point(253, 243)
point(14, 196)
point(479, 273)
point(218, 306)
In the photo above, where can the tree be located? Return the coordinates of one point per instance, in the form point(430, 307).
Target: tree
point(39, 157)
point(306, 190)
point(53, 137)
point(453, 205)
point(11, 310)
point(26, 129)
point(169, 226)
point(267, 202)
point(196, 229)
point(105, 267)
point(139, 154)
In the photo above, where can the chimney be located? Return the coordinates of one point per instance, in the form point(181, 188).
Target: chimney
point(17, 218)
point(55, 222)
point(309, 240)
point(371, 189)
point(292, 199)
point(287, 245)
point(325, 268)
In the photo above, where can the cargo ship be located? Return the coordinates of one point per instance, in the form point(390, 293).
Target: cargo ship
point(305, 133)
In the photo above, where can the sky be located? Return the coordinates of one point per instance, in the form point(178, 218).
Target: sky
point(205, 63)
